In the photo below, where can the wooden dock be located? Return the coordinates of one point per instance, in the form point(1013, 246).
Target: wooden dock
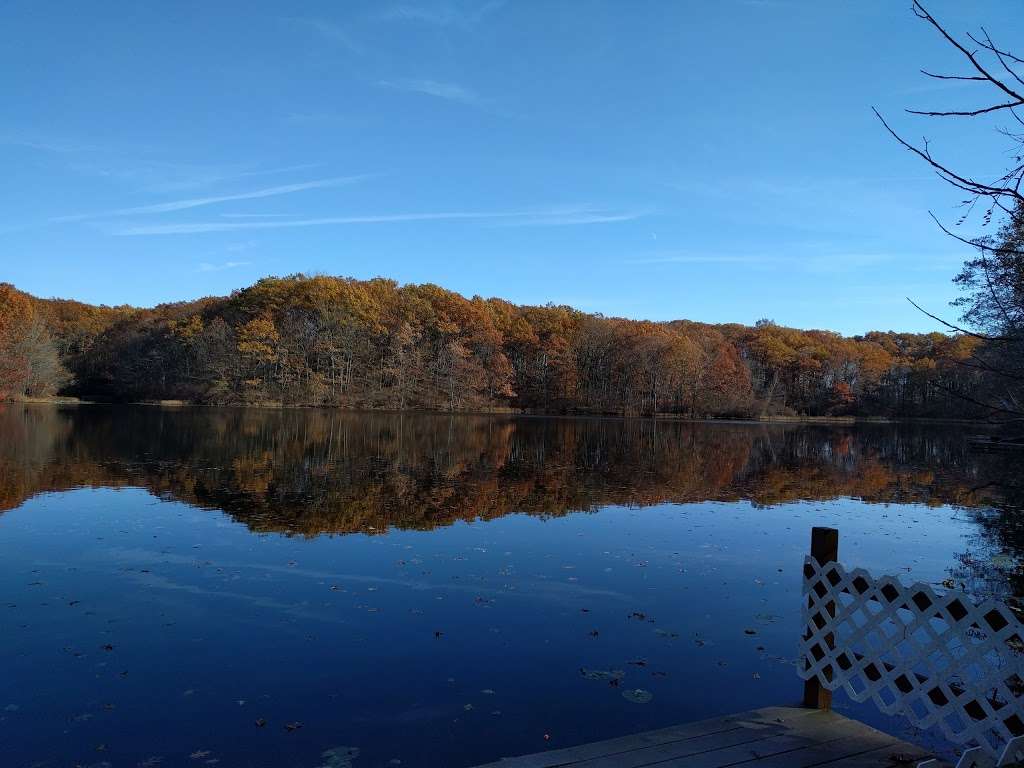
point(774, 737)
point(982, 709)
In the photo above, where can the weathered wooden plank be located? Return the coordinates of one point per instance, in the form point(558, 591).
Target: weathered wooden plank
point(887, 757)
point(863, 743)
point(759, 719)
point(738, 741)
point(774, 737)
point(743, 745)
point(769, 716)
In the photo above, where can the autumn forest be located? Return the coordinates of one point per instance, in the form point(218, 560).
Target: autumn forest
point(375, 344)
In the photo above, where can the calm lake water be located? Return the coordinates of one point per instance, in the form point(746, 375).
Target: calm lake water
point(319, 588)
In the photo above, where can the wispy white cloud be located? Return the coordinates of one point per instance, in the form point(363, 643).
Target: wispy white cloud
point(166, 177)
point(798, 257)
point(218, 176)
point(46, 144)
point(574, 215)
point(316, 119)
point(332, 31)
point(443, 14)
point(551, 217)
point(707, 258)
point(208, 267)
point(440, 90)
point(197, 202)
point(766, 3)
point(259, 215)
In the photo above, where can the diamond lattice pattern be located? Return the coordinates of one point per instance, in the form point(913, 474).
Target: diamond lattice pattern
point(941, 660)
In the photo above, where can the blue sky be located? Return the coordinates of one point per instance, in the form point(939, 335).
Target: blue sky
point(715, 161)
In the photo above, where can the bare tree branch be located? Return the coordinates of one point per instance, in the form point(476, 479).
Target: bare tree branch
point(949, 325)
point(970, 113)
point(952, 77)
point(999, 54)
point(968, 184)
point(923, 14)
point(974, 243)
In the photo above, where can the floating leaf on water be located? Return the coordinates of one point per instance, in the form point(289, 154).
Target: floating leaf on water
point(637, 695)
point(602, 674)
point(341, 757)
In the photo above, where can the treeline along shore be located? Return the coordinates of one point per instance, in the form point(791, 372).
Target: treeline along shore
point(332, 341)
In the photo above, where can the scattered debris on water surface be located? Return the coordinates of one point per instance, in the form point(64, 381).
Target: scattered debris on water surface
point(342, 757)
point(637, 695)
point(602, 674)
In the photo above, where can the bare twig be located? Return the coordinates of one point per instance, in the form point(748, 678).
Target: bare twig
point(949, 325)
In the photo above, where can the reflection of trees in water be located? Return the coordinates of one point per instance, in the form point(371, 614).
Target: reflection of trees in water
point(994, 562)
point(316, 471)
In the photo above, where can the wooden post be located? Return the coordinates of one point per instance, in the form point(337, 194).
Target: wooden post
point(824, 549)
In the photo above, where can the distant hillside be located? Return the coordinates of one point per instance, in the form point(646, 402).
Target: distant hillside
point(377, 344)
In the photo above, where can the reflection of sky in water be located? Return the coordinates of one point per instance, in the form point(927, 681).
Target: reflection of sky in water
point(214, 628)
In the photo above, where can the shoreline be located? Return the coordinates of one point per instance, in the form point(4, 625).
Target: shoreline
point(778, 419)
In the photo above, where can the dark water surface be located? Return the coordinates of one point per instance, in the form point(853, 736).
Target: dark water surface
point(317, 588)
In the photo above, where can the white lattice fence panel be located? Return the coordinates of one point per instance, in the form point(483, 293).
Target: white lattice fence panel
point(939, 659)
